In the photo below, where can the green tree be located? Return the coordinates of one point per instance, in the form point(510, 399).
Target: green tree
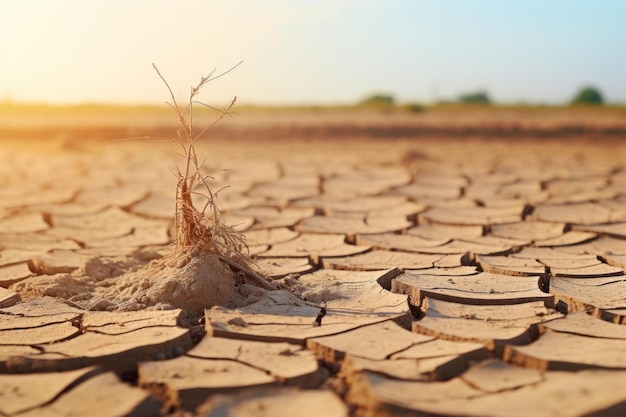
point(378, 100)
point(479, 97)
point(588, 95)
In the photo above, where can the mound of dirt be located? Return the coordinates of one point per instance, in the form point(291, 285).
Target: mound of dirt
point(204, 281)
point(103, 285)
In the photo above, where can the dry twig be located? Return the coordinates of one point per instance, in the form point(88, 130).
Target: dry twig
point(201, 230)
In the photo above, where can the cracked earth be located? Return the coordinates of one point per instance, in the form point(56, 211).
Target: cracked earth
point(412, 277)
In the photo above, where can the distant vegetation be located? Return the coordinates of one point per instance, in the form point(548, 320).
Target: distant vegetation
point(385, 102)
point(479, 97)
point(414, 107)
point(388, 102)
point(588, 96)
point(378, 100)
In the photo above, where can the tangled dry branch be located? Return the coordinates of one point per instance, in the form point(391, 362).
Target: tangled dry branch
point(200, 230)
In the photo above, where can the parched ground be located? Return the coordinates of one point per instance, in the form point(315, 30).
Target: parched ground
point(431, 271)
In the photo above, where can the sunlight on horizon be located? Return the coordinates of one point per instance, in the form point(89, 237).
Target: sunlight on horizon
point(71, 51)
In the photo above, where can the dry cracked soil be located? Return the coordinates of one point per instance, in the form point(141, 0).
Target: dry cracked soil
point(410, 276)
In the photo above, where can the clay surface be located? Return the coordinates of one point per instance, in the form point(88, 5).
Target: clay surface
point(414, 265)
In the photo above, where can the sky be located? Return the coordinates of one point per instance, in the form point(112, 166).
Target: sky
point(311, 51)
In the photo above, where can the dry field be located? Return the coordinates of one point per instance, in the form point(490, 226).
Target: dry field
point(457, 262)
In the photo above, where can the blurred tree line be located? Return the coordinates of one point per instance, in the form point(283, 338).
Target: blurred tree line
point(585, 96)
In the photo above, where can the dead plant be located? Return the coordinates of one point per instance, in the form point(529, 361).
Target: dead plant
point(200, 230)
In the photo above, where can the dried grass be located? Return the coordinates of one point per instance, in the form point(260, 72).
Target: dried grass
point(200, 230)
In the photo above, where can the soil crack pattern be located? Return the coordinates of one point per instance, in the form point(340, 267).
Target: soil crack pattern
point(422, 277)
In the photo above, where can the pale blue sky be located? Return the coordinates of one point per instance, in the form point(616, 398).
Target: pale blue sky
point(312, 51)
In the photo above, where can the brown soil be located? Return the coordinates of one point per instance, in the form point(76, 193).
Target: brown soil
point(134, 283)
point(72, 129)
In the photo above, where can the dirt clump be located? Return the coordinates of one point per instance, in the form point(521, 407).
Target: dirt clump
point(134, 283)
point(203, 281)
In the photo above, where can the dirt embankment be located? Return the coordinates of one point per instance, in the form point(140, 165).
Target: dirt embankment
point(486, 123)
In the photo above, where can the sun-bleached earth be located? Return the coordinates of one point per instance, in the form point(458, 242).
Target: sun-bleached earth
point(409, 276)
